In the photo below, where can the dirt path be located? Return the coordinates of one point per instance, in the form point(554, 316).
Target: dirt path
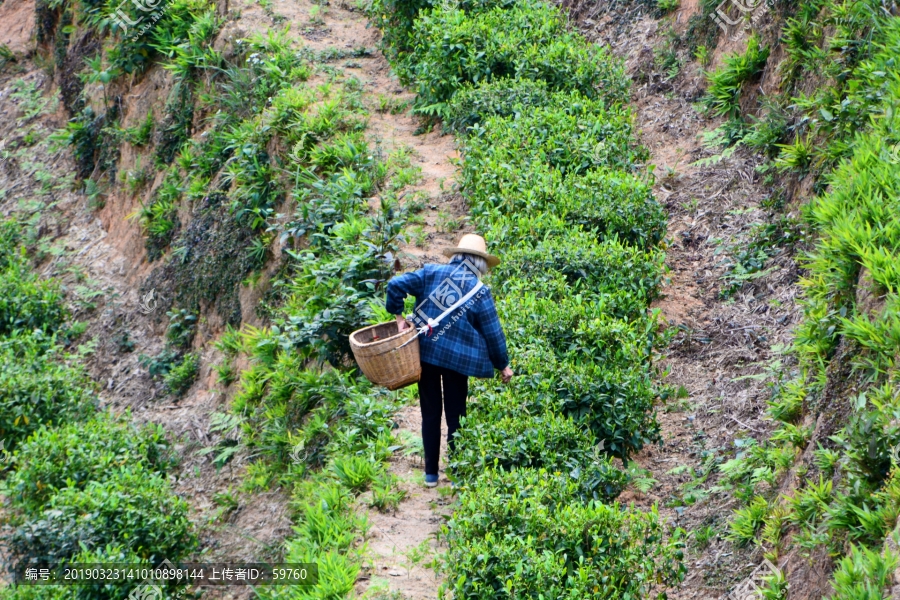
point(403, 543)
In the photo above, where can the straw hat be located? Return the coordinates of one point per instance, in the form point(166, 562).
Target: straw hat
point(473, 244)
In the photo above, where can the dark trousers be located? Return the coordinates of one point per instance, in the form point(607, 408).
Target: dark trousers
point(431, 399)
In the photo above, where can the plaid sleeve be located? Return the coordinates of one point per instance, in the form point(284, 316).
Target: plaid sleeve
point(401, 286)
point(488, 324)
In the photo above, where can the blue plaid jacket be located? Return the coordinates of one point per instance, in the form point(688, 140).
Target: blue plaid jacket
point(470, 340)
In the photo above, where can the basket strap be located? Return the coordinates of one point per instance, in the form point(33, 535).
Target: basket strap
point(433, 323)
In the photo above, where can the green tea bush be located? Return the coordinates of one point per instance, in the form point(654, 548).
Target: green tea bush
point(39, 384)
point(614, 205)
point(27, 301)
point(549, 441)
point(629, 275)
point(473, 103)
point(74, 454)
point(571, 133)
point(610, 203)
point(118, 591)
point(132, 507)
point(580, 324)
point(525, 534)
point(451, 48)
point(616, 403)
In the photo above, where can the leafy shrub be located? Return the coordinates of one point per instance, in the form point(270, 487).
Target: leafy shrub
point(132, 507)
point(355, 472)
point(473, 103)
point(336, 304)
point(572, 133)
point(616, 403)
point(746, 522)
point(526, 41)
point(578, 324)
point(27, 302)
point(72, 455)
point(182, 375)
point(725, 85)
point(39, 384)
point(549, 441)
point(520, 534)
point(630, 276)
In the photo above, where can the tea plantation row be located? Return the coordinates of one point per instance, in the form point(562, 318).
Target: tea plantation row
point(82, 485)
point(552, 174)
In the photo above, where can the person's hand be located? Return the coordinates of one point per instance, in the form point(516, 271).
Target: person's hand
point(402, 323)
point(506, 374)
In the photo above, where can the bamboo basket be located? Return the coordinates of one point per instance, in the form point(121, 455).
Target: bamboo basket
point(387, 357)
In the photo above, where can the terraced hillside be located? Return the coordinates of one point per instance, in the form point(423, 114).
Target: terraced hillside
point(201, 201)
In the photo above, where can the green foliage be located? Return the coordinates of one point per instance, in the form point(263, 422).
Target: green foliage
point(39, 384)
point(746, 522)
point(77, 489)
point(82, 134)
point(549, 441)
point(181, 329)
point(667, 6)
point(175, 128)
point(864, 574)
point(474, 103)
point(131, 507)
point(140, 134)
point(726, 84)
point(72, 455)
point(519, 534)
point(159, 218)
point(528, 40)
point(326, 533)
point(27, 302)
point(354, 472)
point(386, 495)
point(182, 375)
point(133, 54)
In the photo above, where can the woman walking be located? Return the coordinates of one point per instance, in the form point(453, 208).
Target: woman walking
point(460, 337)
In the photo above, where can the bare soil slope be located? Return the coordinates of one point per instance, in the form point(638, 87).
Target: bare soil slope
point(720, 340)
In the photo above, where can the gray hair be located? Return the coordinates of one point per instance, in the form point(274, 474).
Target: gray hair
point(476, 261)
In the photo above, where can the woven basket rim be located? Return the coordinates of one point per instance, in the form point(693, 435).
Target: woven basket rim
point(358, 344)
